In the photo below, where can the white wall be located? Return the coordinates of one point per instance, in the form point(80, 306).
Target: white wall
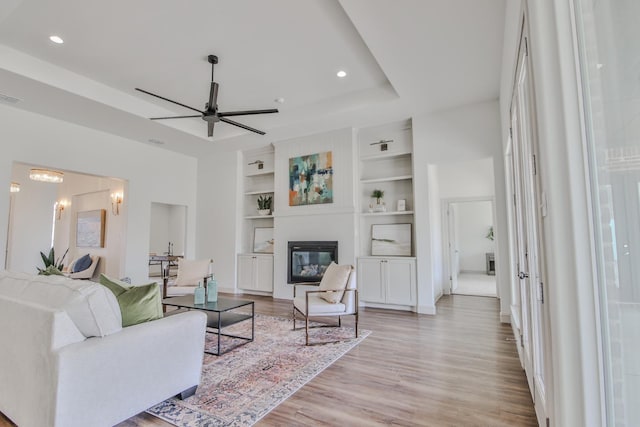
point(463, 134)
point(218, 211)
point(32, 220)
point(153, 175)
point(473, 221)
point(472, 178)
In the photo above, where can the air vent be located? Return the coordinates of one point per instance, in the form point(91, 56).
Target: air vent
point(156, 141)
point(6, 99)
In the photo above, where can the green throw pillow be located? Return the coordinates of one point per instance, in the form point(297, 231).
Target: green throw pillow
point(138, 304)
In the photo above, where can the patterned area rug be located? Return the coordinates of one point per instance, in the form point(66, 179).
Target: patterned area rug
point(242, 386)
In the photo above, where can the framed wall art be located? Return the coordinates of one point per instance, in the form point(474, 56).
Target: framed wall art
point(311, 179)
point(90, 229)
point(263, 239)
point(391, 239)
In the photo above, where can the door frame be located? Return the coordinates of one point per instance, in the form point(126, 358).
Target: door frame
point(449, 274)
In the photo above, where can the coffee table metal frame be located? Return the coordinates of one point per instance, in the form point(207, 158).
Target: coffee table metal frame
point(219, 316)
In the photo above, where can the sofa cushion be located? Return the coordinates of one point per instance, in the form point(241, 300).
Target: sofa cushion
point(82, 263)
point(138, 304)
point(92, 308)
point(334, 281)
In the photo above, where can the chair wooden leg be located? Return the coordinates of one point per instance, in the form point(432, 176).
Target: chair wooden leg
point(356, 324)
point(339, 321)
point(306, 326)
point(294, 318)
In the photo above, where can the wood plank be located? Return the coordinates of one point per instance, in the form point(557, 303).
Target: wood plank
point(456, 368)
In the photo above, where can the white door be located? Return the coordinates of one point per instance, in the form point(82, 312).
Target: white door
point(529, 212)
point(454, 253)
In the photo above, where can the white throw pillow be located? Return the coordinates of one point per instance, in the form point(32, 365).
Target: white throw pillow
point(334, 281)
point(190, 272)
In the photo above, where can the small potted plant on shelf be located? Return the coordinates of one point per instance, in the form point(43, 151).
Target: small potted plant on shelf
point(264, 205)
point(378, 195)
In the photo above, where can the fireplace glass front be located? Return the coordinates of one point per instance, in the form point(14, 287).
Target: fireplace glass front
point(309, 260)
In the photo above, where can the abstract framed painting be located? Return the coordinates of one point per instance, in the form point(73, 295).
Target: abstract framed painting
point(311, 179)
point(391, 239)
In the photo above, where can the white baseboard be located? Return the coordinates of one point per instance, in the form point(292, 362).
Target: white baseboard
point(426, 309)
point(505, 318)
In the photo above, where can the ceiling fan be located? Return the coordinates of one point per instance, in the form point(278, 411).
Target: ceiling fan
point(211, 115)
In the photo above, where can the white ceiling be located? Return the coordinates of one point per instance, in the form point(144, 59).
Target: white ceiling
point(403, 57)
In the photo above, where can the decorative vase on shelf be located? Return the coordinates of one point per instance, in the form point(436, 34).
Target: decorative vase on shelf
point(380, 207)
point(264, 212)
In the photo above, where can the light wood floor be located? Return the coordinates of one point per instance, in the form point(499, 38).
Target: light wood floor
point(458, 368)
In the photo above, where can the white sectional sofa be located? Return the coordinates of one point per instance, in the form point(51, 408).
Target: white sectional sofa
point(66, 361)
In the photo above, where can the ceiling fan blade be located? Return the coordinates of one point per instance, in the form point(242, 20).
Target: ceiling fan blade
point(247, 113)
point(168, 100)
point(213, 96)
point(240, 125)
point(210, 128)
point(174, 117)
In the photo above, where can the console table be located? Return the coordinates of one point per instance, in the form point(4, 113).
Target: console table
point(161, 260)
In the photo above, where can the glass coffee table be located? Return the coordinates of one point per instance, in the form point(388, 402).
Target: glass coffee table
point(221, 314)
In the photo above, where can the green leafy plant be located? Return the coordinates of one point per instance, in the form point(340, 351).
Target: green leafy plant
point(377, 194)
point(51, 263)
point(264, 202)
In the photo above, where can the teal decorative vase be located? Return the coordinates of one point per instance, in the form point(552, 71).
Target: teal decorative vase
point(198, 294)
point(212, 290)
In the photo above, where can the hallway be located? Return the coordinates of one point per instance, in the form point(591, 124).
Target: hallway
point(478, 284)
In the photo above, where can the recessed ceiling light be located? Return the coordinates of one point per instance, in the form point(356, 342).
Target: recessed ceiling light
point(341, 73)
point(56, 39)
point(279, 100)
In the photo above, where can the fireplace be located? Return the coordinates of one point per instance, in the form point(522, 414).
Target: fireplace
point(307, 261)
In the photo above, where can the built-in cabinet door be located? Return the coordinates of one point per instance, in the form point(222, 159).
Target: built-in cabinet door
point(255, 272)
point(400, 281)
point(263, 273)
point(371, 280)
point(245, 272)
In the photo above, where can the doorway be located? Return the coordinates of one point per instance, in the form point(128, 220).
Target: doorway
point(167, 235)
point(470, 246)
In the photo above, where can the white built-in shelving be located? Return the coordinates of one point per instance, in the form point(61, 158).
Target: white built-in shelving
point(385, 155)
point(255, 271)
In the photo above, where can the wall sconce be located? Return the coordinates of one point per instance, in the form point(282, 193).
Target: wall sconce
point(14, 187)
point(116, 201)
point(383, 144)
point(60, 205)
point(260, 164)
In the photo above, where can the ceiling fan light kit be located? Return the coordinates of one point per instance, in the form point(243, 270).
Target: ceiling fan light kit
point(210, 114)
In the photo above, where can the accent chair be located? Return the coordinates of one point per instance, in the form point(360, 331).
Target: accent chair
point(336, 296)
